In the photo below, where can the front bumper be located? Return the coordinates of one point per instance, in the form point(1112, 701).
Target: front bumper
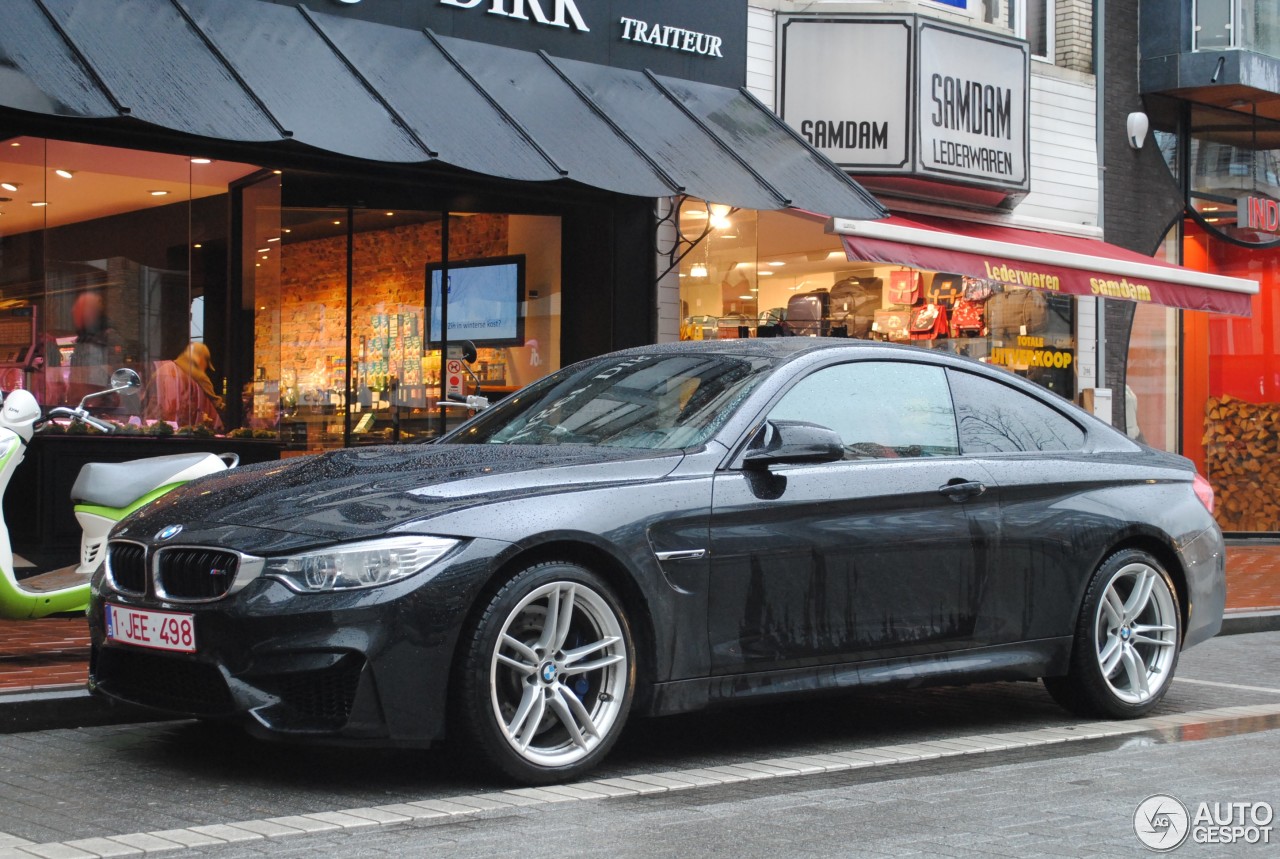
point(367, 665)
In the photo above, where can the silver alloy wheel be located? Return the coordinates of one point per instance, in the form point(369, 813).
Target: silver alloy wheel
point(558, 677)
point(1135, 631)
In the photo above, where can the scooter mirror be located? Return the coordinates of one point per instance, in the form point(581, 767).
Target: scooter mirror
point(125, 380)
point(468, 351)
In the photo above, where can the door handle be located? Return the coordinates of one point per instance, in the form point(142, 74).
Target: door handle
point(962, 490)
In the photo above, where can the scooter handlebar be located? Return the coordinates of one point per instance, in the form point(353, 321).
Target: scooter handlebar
point(81, 416)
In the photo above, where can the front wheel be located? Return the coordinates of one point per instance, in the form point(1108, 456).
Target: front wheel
point(546, 678)
point(1126, 640)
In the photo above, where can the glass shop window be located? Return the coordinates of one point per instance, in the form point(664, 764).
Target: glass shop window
point(104, 252)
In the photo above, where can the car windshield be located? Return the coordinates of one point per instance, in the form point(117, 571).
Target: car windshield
point(645, 401)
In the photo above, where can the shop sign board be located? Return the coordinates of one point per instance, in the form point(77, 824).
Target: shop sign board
point(973, 96)
point(703, 41)
point(1258, 213)
point(846, 88)
point(910, 96)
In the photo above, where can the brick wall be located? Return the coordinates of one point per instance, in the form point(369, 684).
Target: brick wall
point(304, 329)
point(1073, 35)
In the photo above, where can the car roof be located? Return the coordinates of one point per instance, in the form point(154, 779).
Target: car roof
point(761, 347)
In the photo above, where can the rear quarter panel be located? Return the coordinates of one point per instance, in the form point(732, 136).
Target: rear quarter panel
point(1062, 516)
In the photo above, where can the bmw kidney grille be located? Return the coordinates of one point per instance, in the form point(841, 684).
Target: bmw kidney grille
point(178, 573)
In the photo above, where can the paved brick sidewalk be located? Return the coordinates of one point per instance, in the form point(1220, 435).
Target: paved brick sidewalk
point(54, 652)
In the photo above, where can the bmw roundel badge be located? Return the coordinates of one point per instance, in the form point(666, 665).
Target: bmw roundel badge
point(168, 531)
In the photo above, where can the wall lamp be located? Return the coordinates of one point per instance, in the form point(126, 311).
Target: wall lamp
point(1136, 127)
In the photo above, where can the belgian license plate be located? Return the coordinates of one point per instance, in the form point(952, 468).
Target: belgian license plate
point(162, 630)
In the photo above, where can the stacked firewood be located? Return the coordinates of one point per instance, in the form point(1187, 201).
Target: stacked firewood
point(1242, 457)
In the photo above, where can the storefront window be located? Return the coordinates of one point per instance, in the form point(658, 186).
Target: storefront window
point(1232, 385)
point(115, 258)
point(775, 274)
point(347, 348)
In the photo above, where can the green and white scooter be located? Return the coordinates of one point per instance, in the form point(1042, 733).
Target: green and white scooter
point(103, 494)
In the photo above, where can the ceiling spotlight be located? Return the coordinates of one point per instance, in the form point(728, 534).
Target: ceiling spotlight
point(158, 193)
point(275, 238)
point(201, 160)
point(8, 186)
point(65, 174)
point(263, 250)
point(38, 203)
point(197, 245)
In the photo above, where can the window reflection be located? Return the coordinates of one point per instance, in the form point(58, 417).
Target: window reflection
point(995, 418)
point(880, 409)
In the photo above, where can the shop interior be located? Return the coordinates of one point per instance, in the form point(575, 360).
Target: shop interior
point(250, 312)
point(769, 274)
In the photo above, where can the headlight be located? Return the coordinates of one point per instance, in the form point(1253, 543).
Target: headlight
point(358, 565)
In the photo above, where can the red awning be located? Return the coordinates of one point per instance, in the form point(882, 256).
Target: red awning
point(1028, 258)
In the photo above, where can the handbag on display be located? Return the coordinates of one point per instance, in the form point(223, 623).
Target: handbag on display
point(1016, 312)
point(980, 289)
point(892, 324)
point(904, 287)
point(945, 289)
point(928, 322)
point(966, 319)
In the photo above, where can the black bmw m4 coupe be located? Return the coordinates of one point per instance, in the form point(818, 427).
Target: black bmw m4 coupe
point(662, 530)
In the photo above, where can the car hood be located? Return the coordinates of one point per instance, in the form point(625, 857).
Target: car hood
point(369, 491)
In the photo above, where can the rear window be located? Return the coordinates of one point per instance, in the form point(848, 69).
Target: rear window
point(997, 418)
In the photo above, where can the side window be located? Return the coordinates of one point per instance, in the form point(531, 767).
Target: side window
point(996, 418)
point(880, 408)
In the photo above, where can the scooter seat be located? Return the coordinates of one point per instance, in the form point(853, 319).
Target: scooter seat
point(119, 484)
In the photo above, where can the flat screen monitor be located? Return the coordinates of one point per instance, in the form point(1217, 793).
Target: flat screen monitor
point(486, 301)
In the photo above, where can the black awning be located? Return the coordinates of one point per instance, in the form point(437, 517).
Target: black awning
point(253, 72)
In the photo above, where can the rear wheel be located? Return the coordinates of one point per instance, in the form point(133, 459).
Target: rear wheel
point(546, 678)
point(1126, 640)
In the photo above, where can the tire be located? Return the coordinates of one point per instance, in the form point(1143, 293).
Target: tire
point(1127, 640)
point(540, 697)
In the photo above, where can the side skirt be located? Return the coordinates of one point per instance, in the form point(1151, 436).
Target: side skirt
point(1027, 660)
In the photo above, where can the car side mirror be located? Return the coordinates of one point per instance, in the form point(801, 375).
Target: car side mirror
point(794, 442)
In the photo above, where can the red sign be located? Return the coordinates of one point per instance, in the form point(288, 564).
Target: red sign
point(1258, 213)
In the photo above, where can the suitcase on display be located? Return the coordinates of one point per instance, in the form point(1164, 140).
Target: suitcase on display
point(808, 314)
point(854, 302)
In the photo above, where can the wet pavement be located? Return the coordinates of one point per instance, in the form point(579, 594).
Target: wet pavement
point(988, 770)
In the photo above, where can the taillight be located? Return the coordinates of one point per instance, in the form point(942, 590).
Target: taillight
point(1204, 491)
